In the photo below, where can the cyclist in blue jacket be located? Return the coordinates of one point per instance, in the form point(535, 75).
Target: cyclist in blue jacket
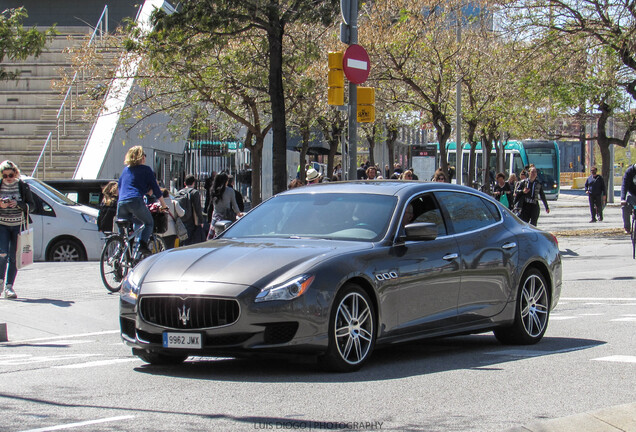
point(135, 181)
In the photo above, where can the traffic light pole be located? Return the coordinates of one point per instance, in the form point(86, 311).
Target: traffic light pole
point(353, 95)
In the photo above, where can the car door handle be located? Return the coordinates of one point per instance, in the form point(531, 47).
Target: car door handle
point(450, 257)
point(509, 245)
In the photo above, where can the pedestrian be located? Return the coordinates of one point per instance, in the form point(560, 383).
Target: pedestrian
point(16, 201)
point(174, 211)
point(628, 196)
point(224, 202)
point(239, 198)
point(595, 190)
point(136, 180)
point(190, 200)
point(108, 208)
point(532, 191)
point(512, 181)
point(372, 173)
point(407, 175)
point(502, 191)
point(361, 172)
point(517, 194)
point(207, 186)
point(439, 176)
point(312, 176)
point(294, 184)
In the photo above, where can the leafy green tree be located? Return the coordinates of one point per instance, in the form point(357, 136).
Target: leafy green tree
point(16, 42)
point(201, 24)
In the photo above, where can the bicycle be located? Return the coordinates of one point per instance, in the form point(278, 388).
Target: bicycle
point(121, 253)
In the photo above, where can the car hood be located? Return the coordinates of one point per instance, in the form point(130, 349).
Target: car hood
point(245, 262)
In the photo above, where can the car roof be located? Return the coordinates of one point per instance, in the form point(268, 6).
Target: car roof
point(379, 187)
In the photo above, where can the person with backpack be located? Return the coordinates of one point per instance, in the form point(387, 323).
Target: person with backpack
point(190, 200)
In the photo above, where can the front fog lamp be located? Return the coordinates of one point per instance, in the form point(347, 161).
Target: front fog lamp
point(286, 291)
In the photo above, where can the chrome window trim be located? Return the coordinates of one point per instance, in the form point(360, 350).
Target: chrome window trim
point(409, 199)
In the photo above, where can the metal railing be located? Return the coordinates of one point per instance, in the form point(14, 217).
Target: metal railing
point(101, 29)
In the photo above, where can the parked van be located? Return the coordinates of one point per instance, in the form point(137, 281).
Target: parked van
point(63, 229)
point(87, 192)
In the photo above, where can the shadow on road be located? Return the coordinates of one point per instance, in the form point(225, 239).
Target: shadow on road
point(392, 362)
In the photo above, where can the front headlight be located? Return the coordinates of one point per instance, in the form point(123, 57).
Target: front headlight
point(89, 218)
point(130, 286)
point(289, 290)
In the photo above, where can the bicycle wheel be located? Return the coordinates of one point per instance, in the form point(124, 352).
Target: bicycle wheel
point(156, 244)
point(111, 265)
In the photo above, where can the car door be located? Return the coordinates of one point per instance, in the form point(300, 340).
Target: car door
point(42, 213)
point(488, 253)
point(429, 273)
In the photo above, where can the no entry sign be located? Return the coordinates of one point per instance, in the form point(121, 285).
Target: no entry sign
point(355, 64)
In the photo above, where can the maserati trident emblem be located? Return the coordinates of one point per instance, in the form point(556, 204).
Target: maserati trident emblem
point(184, 315)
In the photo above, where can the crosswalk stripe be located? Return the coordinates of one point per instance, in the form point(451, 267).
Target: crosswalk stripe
point(80, 424)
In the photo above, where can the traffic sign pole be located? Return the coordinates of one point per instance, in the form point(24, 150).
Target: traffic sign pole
point(353, 95)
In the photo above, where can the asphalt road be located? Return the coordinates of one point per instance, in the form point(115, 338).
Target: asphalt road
point(65, 367)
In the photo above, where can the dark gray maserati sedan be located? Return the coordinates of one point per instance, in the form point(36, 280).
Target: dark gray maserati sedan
point(335, 269)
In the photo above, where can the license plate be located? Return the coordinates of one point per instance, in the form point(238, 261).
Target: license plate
point(181, 340)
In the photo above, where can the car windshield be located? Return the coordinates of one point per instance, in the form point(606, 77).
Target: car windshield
point(337, 216)
point(51, 193)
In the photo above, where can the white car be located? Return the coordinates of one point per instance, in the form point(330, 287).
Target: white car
point(63, 229)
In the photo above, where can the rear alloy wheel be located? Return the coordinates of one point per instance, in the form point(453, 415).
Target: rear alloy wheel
point(159, 359)
point(352, 330)
point(66, 250)
point(531, 312)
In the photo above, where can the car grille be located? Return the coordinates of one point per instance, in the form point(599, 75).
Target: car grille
point(188, 312)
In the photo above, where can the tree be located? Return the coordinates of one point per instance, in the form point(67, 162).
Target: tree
point(207, 22)
point(16, 42)
point(593, 30)
point(417, 51)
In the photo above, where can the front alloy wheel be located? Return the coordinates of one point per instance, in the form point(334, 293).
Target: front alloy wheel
point(352, 330)
point(531, 312)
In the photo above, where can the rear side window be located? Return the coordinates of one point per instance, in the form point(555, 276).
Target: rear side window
point(469, 212)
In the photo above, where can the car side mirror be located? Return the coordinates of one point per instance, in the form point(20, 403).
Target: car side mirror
point(419, 231)
point(221, 226)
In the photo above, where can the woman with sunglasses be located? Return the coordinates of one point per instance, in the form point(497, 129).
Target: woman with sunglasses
point(16, 201)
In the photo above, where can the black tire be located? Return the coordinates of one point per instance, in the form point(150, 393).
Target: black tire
point(66, 250)
point(159, 359)
point(532, 312)
point(352, 330)
point(110, 267)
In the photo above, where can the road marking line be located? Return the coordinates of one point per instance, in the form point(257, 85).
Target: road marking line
point(80, 424)
point(560, 317)
point(628, 319)
point(65, 342)
point(599, 298)
point(592, 314)
point(63, 337)
point(617, 359)
point(95, 363)
point(42, 359)
point(528, 353)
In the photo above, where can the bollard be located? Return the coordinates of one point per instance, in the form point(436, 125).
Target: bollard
point(3, 333)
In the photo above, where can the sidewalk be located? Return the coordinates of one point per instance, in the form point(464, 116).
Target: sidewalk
point(612, 419)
